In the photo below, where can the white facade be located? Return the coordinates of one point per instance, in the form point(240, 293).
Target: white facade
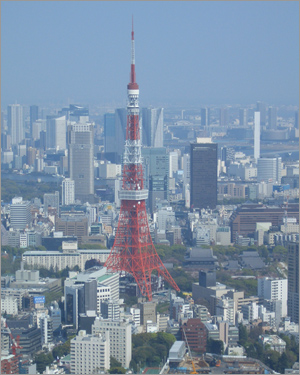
point(274, 290)
point(119, 338)
point(225, 307)
point(152, 127)
point(173, 163)
point(20, 215)
point(269, 170)
point(56, 133)
point(68, 192)
point(90, 353)
point(256, 135)
point(165, 217)
point(186, 169)
point(61, 260)
point(15, 123)
point(46, 326)
point(9, 304)
point(136, 316)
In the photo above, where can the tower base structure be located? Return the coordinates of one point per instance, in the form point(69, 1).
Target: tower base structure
point(133, 250)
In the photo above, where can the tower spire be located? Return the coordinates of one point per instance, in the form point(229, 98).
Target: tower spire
point(132, 71)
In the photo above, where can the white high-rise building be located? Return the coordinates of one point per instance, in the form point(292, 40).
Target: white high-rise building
point(81, 160)
point(269, 170)
point(90, 353)
point(20, 215)
point(68, 192)
point(273, 289)
point(256, 135)
point(56, 132)
point(15, 123)
point(153, 127)
point(37, 127)
point(119, 338)
point(186, 169)
point(46, 325)
point(173, 163)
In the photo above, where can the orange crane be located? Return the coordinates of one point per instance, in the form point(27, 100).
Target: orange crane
point(193, 364)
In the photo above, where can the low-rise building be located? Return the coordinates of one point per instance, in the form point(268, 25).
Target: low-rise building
point(274, 341)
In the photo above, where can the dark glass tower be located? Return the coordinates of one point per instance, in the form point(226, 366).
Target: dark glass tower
point(204, 162)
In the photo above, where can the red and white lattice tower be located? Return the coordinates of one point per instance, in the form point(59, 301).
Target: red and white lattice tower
point(133, 250)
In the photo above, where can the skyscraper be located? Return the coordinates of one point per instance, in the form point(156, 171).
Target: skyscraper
point(223, 117)
point(68, 192)
point(204, 162)
point(34, 115)
point(204, 116)
point(15, 123)
point(156, 174)
point(269, 170)
point(293, 281)
point(243, 115)
point(153, 127)
point(56, 132)
point(272, 118)
point(256, 135)
point(81, 160)
point(261, 107)
point(115, 135)
point(20, 215)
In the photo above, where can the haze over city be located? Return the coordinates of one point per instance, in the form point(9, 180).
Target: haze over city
point(187, 53)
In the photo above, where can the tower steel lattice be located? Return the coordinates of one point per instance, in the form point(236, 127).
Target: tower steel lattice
point(133, 250)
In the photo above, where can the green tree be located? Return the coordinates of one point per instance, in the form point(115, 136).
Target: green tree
point(42, 360)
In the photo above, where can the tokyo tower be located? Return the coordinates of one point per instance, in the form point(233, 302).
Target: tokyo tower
point(133, 250)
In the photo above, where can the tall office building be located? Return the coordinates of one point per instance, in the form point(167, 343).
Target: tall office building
point(51, 200)
point(156, 174)
point(153, 127)
point(256, 135)
point(90, 353)
point(223, 117)
point(81, 160)
point(204, 162)
point(272, 118)
point(293, 281)
point(269, 170)
point(34, 115)
point(68, 192)
point(261, 107)
point(173, 163)
point(186, 169)
point(205, 112)
point(119, 338)
point(56, 132)
point(15, 123)
point(20, 214)
point(115, 134)
point(36, 128)
point(243, 116)
point(273, 289)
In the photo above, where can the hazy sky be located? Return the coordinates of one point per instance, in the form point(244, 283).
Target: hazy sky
point(187, 52)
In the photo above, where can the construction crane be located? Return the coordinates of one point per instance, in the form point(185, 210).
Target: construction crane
point(194, 368)
point(15, 343)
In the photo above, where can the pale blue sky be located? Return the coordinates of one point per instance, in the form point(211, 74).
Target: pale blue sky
point(187, 52)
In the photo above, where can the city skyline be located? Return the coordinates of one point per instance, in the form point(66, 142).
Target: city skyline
point(198, 52)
